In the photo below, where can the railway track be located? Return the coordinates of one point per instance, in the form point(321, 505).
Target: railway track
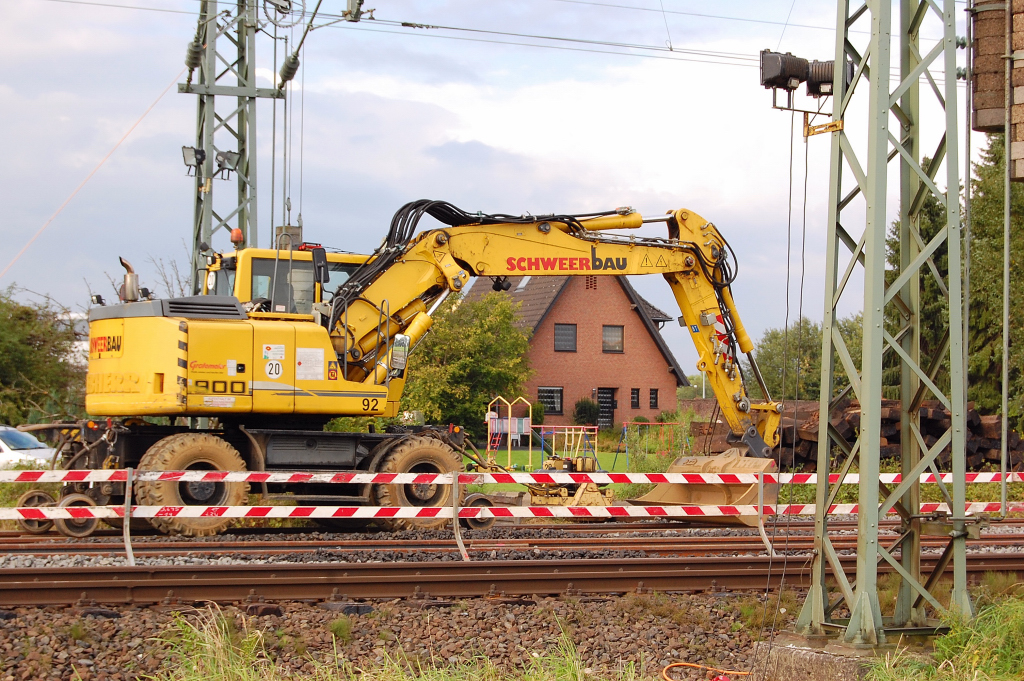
point(176, 585)
point(654, 546)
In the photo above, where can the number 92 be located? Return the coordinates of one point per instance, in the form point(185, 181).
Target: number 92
point(370, 404)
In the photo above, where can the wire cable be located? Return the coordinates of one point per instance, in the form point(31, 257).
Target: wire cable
point(273, 155)
point(302, 132)
point(665, 17)
point(666, 677)
point(785, 372)
point(91, 173)
point(786, 25)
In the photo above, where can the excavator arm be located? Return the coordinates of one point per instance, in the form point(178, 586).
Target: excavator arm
point(408, 277)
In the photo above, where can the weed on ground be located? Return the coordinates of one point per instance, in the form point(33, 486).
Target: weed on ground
point(211, 647)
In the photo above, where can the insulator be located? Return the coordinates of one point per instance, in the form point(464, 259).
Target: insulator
point(194, 55)
point(289, 68)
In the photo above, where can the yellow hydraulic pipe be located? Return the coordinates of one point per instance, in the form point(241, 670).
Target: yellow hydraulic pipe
point(746, 345)
point(421, 323)
point(630, 221)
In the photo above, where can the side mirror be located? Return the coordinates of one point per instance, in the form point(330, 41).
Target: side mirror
point(320, 269)
point(399, 354)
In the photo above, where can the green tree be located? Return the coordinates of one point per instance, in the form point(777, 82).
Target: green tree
point(40, 378)
point(791, 362)
point(984, 364)
point(475, 351)
point(692, 391)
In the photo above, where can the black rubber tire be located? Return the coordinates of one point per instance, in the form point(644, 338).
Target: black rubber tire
point(34, 498)
point(417, 455)
point(72, 527)
point(191, 451)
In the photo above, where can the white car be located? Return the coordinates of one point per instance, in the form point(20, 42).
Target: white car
point(21, 448)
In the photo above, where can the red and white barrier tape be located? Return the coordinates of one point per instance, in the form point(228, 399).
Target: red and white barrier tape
point(368, 512)
point(553, 478)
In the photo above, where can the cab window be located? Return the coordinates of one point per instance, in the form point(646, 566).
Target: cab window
point(287, 284)
point(220, 282)
point(291, 288)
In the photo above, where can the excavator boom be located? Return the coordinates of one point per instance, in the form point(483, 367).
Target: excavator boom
point(409, 275)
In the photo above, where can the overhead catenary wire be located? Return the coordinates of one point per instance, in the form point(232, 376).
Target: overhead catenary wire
point(712, 57)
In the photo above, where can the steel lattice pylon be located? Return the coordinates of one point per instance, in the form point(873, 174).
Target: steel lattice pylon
point(227, 73)
point(862, 149)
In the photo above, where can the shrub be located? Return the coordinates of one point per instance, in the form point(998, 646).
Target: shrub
point(641, 419)
point(586, 412)
point(538, 414)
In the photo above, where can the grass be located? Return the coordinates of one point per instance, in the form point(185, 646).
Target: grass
point(210, 647)
point(776, 611)
point(989, 647)
point(652, 449)
point(341, 628)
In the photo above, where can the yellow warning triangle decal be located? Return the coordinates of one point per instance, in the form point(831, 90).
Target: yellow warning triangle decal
point(439, 255)
point(661, 262)
point(646, 262)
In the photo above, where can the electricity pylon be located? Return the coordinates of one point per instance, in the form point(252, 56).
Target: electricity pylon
point(224, 54)
point(864, 143)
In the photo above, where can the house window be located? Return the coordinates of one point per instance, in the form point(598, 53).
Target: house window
point(634, 398)
point(611, 339)
point(551, 398)
point(654, 398)
point(565, 338)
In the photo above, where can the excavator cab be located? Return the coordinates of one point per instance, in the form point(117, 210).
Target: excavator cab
point(277, 281)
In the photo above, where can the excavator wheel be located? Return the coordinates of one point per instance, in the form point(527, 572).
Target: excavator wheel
point(197, 452)
point(417, 455)
point(35, 498)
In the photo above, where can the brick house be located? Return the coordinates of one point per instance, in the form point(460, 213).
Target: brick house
point(594, 337)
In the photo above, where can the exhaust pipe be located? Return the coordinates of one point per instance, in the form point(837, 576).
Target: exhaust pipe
point(129, 292)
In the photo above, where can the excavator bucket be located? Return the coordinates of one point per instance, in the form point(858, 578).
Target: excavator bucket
point(709, 494)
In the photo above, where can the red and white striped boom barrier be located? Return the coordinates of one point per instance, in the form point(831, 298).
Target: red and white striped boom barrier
point(129, 476)
point(544, 478)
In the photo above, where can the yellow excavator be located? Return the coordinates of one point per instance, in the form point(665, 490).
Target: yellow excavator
point(246, 375)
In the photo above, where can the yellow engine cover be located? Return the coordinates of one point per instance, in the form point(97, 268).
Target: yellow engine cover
point(168, 366)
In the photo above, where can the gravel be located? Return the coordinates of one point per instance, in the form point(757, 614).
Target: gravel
point(650, 631)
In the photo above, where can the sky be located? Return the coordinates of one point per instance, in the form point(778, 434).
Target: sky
point(382, 115)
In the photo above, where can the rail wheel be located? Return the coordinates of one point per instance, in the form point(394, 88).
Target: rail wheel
point(417, 455)
point(195, 452)
point(478, 500)
point(32, 499)
point(76, 527)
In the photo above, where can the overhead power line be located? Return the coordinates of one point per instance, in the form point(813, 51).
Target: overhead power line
point(674, 53)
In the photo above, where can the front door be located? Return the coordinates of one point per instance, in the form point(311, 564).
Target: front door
point(606, 400)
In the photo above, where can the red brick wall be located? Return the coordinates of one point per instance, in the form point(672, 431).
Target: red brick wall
point(579, 373)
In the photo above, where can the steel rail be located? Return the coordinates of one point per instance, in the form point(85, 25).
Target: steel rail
point(220, 583)
point(687, 546)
